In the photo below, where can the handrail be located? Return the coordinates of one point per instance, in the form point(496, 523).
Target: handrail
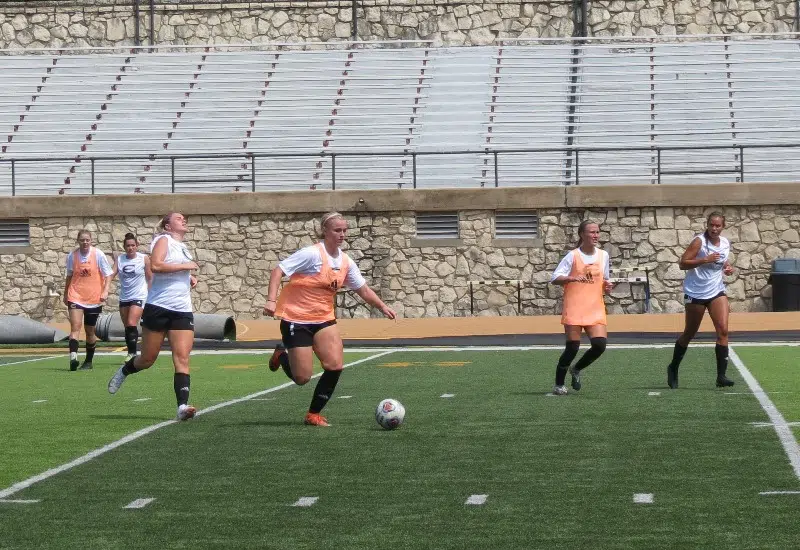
point(737, 166)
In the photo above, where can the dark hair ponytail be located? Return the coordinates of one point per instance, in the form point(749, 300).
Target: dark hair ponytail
point(581, 227)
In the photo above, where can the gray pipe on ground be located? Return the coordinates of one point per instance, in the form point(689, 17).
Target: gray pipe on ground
point(21, 330)
point(206, 327)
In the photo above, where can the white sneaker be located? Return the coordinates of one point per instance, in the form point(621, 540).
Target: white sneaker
point(559, 390)
point(185, 412)
point(116, 381)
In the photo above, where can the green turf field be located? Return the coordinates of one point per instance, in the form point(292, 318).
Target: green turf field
point(557, 472)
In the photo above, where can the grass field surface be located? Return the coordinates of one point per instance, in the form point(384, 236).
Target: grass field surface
point(555, 472)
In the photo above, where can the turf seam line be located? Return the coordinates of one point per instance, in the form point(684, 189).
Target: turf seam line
point(779, 423)
point(17, 487)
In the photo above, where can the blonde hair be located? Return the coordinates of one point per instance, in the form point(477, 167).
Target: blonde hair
point(326, 219)
point(161, 228)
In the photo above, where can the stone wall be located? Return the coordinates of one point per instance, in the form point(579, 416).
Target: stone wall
point(237, 252)
point(42, 23)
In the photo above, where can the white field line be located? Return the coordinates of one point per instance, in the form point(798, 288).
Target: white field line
point(447, 395)
point(767, 493)
point(305, 502)
point(40, 401)
point(141, 399)
point(18, 501)
point(643, 498)
point(29, 360)
point(770, 424)
point(17, 487)
point(654, 393)
point(477, 500)
point(782, 428)
point(345, 397)
point(139, 503)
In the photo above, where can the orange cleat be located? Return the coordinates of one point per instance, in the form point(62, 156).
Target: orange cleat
point(275, 360)
point(315, 419)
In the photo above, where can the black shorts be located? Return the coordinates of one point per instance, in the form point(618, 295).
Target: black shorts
point(701, 301)
point(301, 335)
point(159, 319)
point(130, 303)
point(90, 314)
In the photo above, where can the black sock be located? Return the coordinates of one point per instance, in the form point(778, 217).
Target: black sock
point(722, 359)
point(90, 351)
point(73, 345)
point(128, 368)
point(677, 355)
point(284, 359)
point(181, 383)
point(324, 390)
point(570, 351)
point(131, 335)
point(591, 355)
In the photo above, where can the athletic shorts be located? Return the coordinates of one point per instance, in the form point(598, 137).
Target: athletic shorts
point(159, 319)
point(301, 335)
point(130, 303)
point(90, 314)
point(701, 301)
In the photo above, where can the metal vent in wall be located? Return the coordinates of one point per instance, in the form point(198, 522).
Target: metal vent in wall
point(516, 225)
point(15, 233)
point(437, 225)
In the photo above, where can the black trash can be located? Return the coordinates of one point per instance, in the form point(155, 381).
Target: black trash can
point(785, 281)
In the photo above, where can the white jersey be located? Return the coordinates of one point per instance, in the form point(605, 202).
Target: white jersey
point(132, 280)
point(705, 281)
point(172, 290)
point(308, 261)
point(565, 265)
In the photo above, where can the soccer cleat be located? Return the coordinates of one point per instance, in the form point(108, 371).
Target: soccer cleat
point(559, 390)
point(275, 360)
point(129, 357)
point(672, 377)
point(576, 378)
point(724, 382)
point(185, 412)
point(87, 365)
point(73, 364)
point(116, 381)
point(315, 419)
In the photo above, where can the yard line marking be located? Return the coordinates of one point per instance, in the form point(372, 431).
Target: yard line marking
point(477, 500)
point(40, 401)
point(783, 430)
point(17, 487)
point(263, 399)
point(139, 503)
point(305, 502)
point(141, 399)
point(29, 360)
point(345, 397)
point(654, 393)
point(770, 424)
point(766, 493)
point(643, 498)
point(447, 395)
point(19, 501)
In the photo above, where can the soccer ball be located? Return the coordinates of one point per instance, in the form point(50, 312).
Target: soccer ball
point(390, 414)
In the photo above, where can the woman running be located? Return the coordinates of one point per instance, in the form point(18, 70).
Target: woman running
point(306, 310)
point(135, 279)
point(168, 311)
point(584, 274)
point(85, 291)
point(705, 262)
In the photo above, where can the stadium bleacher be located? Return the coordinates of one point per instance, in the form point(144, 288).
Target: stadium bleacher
point(367, 115)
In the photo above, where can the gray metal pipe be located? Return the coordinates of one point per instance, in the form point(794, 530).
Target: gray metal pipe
point(21, 330)
point(206, 327)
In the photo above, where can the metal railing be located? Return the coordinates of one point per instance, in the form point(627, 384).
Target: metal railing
point(260, 161)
